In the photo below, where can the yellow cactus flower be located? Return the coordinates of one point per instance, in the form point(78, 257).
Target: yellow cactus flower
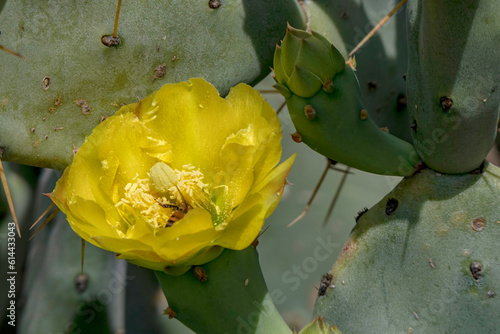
point(170, 181)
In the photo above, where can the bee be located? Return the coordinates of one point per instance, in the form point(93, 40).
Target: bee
point(179, 211)
point(178, 214)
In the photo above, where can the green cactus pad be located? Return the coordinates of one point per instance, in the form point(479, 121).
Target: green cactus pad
point(342, 130)
point(422, 260)
point(381, 63)
point(51, 100)
point(453, 78)
point(54, 282)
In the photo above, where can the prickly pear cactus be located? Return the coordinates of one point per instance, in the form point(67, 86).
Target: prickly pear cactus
point(453, 78)
point(381, 63)
point(69, 80)
point(425, 258)
point(326, 107)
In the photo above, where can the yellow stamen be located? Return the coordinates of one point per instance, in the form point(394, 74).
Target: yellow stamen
point(139, 196)
point(165, 191)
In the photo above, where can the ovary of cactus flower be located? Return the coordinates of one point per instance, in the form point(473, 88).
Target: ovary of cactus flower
point(170, 181)
point(306, 62)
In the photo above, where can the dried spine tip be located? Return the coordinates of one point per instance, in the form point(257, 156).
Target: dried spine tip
point(310, 112)
point(297, 137)
point(479, 224)
point(446, 103)
point(200, 274)
point(363, 114)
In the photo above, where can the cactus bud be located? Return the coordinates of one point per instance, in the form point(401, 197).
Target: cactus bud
point(306, 62)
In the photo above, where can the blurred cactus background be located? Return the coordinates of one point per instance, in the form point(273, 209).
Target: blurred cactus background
point(51, 99)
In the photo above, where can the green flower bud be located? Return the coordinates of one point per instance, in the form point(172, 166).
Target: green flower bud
point(319, 326)
point(306, 62)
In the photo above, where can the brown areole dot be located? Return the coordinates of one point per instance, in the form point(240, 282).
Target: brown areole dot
point(326, 281)
point(200, 274)
point(446, 103)
point(479, 224)
point(214, 4)
point(371, 85)
point(391, 206)
point(81, 282)
point(170, 312)
point(414, 125)
point(476, 269)
point(297, 137)
point(363, 114)
point(58, 101)
point(328, 86)
point(160, 71)
point(46, 83)
point(402, 102)
point(109, 40)
point(310, 112)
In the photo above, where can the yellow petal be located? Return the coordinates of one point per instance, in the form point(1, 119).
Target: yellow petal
point(248, 218)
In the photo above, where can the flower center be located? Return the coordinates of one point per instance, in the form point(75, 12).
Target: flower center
point(167, 195)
